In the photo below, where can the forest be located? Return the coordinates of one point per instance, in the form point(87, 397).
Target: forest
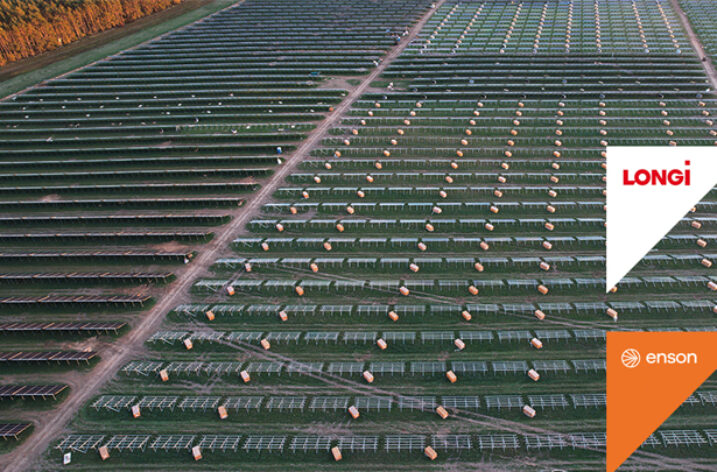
point(31, 27)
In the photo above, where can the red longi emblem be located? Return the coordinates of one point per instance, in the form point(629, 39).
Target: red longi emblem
point(658, 176)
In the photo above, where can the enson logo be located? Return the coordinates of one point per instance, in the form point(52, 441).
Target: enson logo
point(658, 176)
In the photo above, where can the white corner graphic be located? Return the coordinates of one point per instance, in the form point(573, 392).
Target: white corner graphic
point(644, 203)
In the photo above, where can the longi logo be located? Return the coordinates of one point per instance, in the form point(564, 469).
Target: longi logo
point(631, 358)
point(644, 177)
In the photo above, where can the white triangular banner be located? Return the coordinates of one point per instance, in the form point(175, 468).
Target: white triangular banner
point(649, 189)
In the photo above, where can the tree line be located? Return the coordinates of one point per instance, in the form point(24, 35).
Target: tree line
point(31, 27)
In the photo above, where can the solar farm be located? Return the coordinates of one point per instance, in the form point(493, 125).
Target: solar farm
point(350, 235)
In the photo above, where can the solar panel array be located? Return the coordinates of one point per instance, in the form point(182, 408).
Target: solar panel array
point(702, 16)
point(199, 369)
point(249, 443)
point(120, 171)
point(461, 197)
point(176, 338)
point(30, 391)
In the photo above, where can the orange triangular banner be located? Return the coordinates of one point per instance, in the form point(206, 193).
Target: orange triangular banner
point(649, 375)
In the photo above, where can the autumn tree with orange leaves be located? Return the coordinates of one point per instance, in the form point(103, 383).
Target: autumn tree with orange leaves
point(31, 27)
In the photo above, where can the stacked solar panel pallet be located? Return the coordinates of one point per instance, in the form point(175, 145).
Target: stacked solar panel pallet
point(460, 199)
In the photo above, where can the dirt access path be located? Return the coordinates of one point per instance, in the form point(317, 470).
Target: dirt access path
point(706, 61)
point(125, 348)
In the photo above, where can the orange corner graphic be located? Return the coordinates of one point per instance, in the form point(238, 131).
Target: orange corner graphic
point(649, 375)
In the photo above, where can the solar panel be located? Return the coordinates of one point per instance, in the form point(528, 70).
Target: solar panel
point(333, 403)
point(114, 402)
point(158, 402)
point(374, 403)
point(222, 368)
point(410, 310)
point(265, 367)
point(692, 400)
point(437, 336)
point(186, 367)
point(418, 402)
point(128, 442)
point(701, 328)
point(283, 336)
point(342, 368)
point(304, 367)
point(321, 336)
point(286, 403)
point(464, 402)
point(172, 442)
point(336, 310)
point(497, 441)
point(476, 336)
point(142, 367)
point(589, 365)
point(399, 336)
point(388, 367)
point(588, 440)
point(298, 310)
point(503, 401)
point(709, 397)
point(510, 367)
point(469, 367)
point(206, 336)
point(404, 442)
point(168, 337)
point(222, 310)
point(548, 441)
point(191, 310)
point(358, 443)
point(651, 441)
point(62, 327)
point(199, 403)
point(364, 337)
point(47, 356)
point(310, 443)
point(265, 443)
point(428, 367)
point(589, 334)
point(711, 436)
point(553, 334)
point(80, 442)
point(588, 400)
point(30, 391)
point(554, 400)
point(451, 442)
point(372, 310)
point(245, 336)
point(553, 366)
point(514, 336)
point(219, 442)
point(248, 402)
point(681, 437)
